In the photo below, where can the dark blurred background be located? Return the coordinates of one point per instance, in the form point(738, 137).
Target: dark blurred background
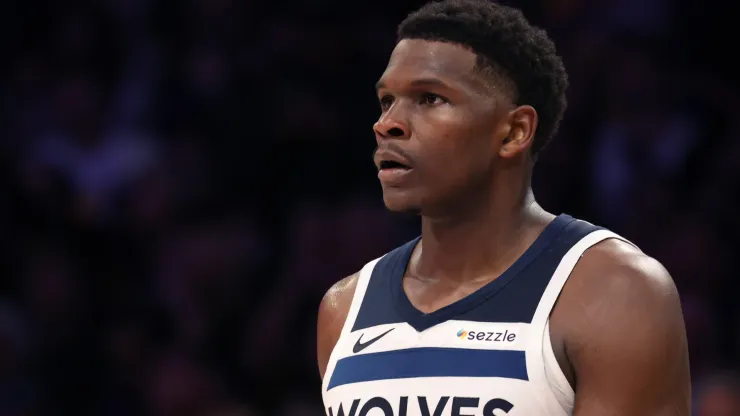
point(182, 180)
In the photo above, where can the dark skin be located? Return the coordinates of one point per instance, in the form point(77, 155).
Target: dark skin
point(617, 329)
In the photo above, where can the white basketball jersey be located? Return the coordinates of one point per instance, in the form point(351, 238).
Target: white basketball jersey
point(487, 354)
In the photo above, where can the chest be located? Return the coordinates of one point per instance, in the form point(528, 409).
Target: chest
point(479, 368)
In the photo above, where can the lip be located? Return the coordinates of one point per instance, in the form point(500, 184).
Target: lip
point(394, 176)
point(384, 155)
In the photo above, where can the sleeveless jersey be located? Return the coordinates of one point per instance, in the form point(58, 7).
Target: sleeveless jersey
point(486, 354)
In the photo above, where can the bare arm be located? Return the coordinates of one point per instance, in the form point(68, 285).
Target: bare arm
point(626, 340)
point(333, 312)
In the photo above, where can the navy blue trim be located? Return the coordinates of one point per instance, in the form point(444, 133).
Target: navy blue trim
point(429, 362)
point(377, 305)
point(421, 321)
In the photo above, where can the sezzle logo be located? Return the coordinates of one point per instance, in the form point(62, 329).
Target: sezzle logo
point(492, 336)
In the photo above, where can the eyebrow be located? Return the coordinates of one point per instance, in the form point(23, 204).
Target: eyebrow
point(417, 82)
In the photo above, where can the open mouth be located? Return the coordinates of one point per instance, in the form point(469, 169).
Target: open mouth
point(389, 164)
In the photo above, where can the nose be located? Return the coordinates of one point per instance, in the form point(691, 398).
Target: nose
point(391, 124)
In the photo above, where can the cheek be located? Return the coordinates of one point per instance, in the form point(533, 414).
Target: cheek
point(453, 148)
point(453, 163)
point(461, 148)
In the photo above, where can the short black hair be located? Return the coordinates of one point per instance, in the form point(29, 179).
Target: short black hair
point(506, 44)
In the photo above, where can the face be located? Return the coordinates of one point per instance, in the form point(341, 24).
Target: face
point(441, 128)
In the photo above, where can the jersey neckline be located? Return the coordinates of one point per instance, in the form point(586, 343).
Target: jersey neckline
point(421, 321)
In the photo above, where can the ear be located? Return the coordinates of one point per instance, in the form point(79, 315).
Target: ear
point(522, 127)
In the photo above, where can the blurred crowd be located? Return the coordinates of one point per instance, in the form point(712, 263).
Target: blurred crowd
point(183, 180)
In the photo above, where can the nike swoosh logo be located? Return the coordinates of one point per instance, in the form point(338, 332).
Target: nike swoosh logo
point(359, 345)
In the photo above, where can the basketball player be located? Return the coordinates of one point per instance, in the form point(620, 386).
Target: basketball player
point(499, 308)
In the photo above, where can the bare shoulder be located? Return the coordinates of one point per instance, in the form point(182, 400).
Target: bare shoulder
point(616, 283)
point(333, 312)
point(622, 325)
point(618, 286)
point(336, 302)
point(617, 268)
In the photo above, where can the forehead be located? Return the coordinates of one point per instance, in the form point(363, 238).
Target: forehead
point(413, 59)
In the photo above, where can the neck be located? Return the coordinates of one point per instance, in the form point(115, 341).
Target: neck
point(482, 242)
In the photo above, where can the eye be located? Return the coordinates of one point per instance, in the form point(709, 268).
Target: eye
point(385, 102)
point(429, 98)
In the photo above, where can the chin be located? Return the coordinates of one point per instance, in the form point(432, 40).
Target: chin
point(401, 204)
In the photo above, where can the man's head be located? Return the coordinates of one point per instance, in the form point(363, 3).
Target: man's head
point(471, 90)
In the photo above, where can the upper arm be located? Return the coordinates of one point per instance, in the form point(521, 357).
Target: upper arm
point(333, 312)
point(627, 342)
